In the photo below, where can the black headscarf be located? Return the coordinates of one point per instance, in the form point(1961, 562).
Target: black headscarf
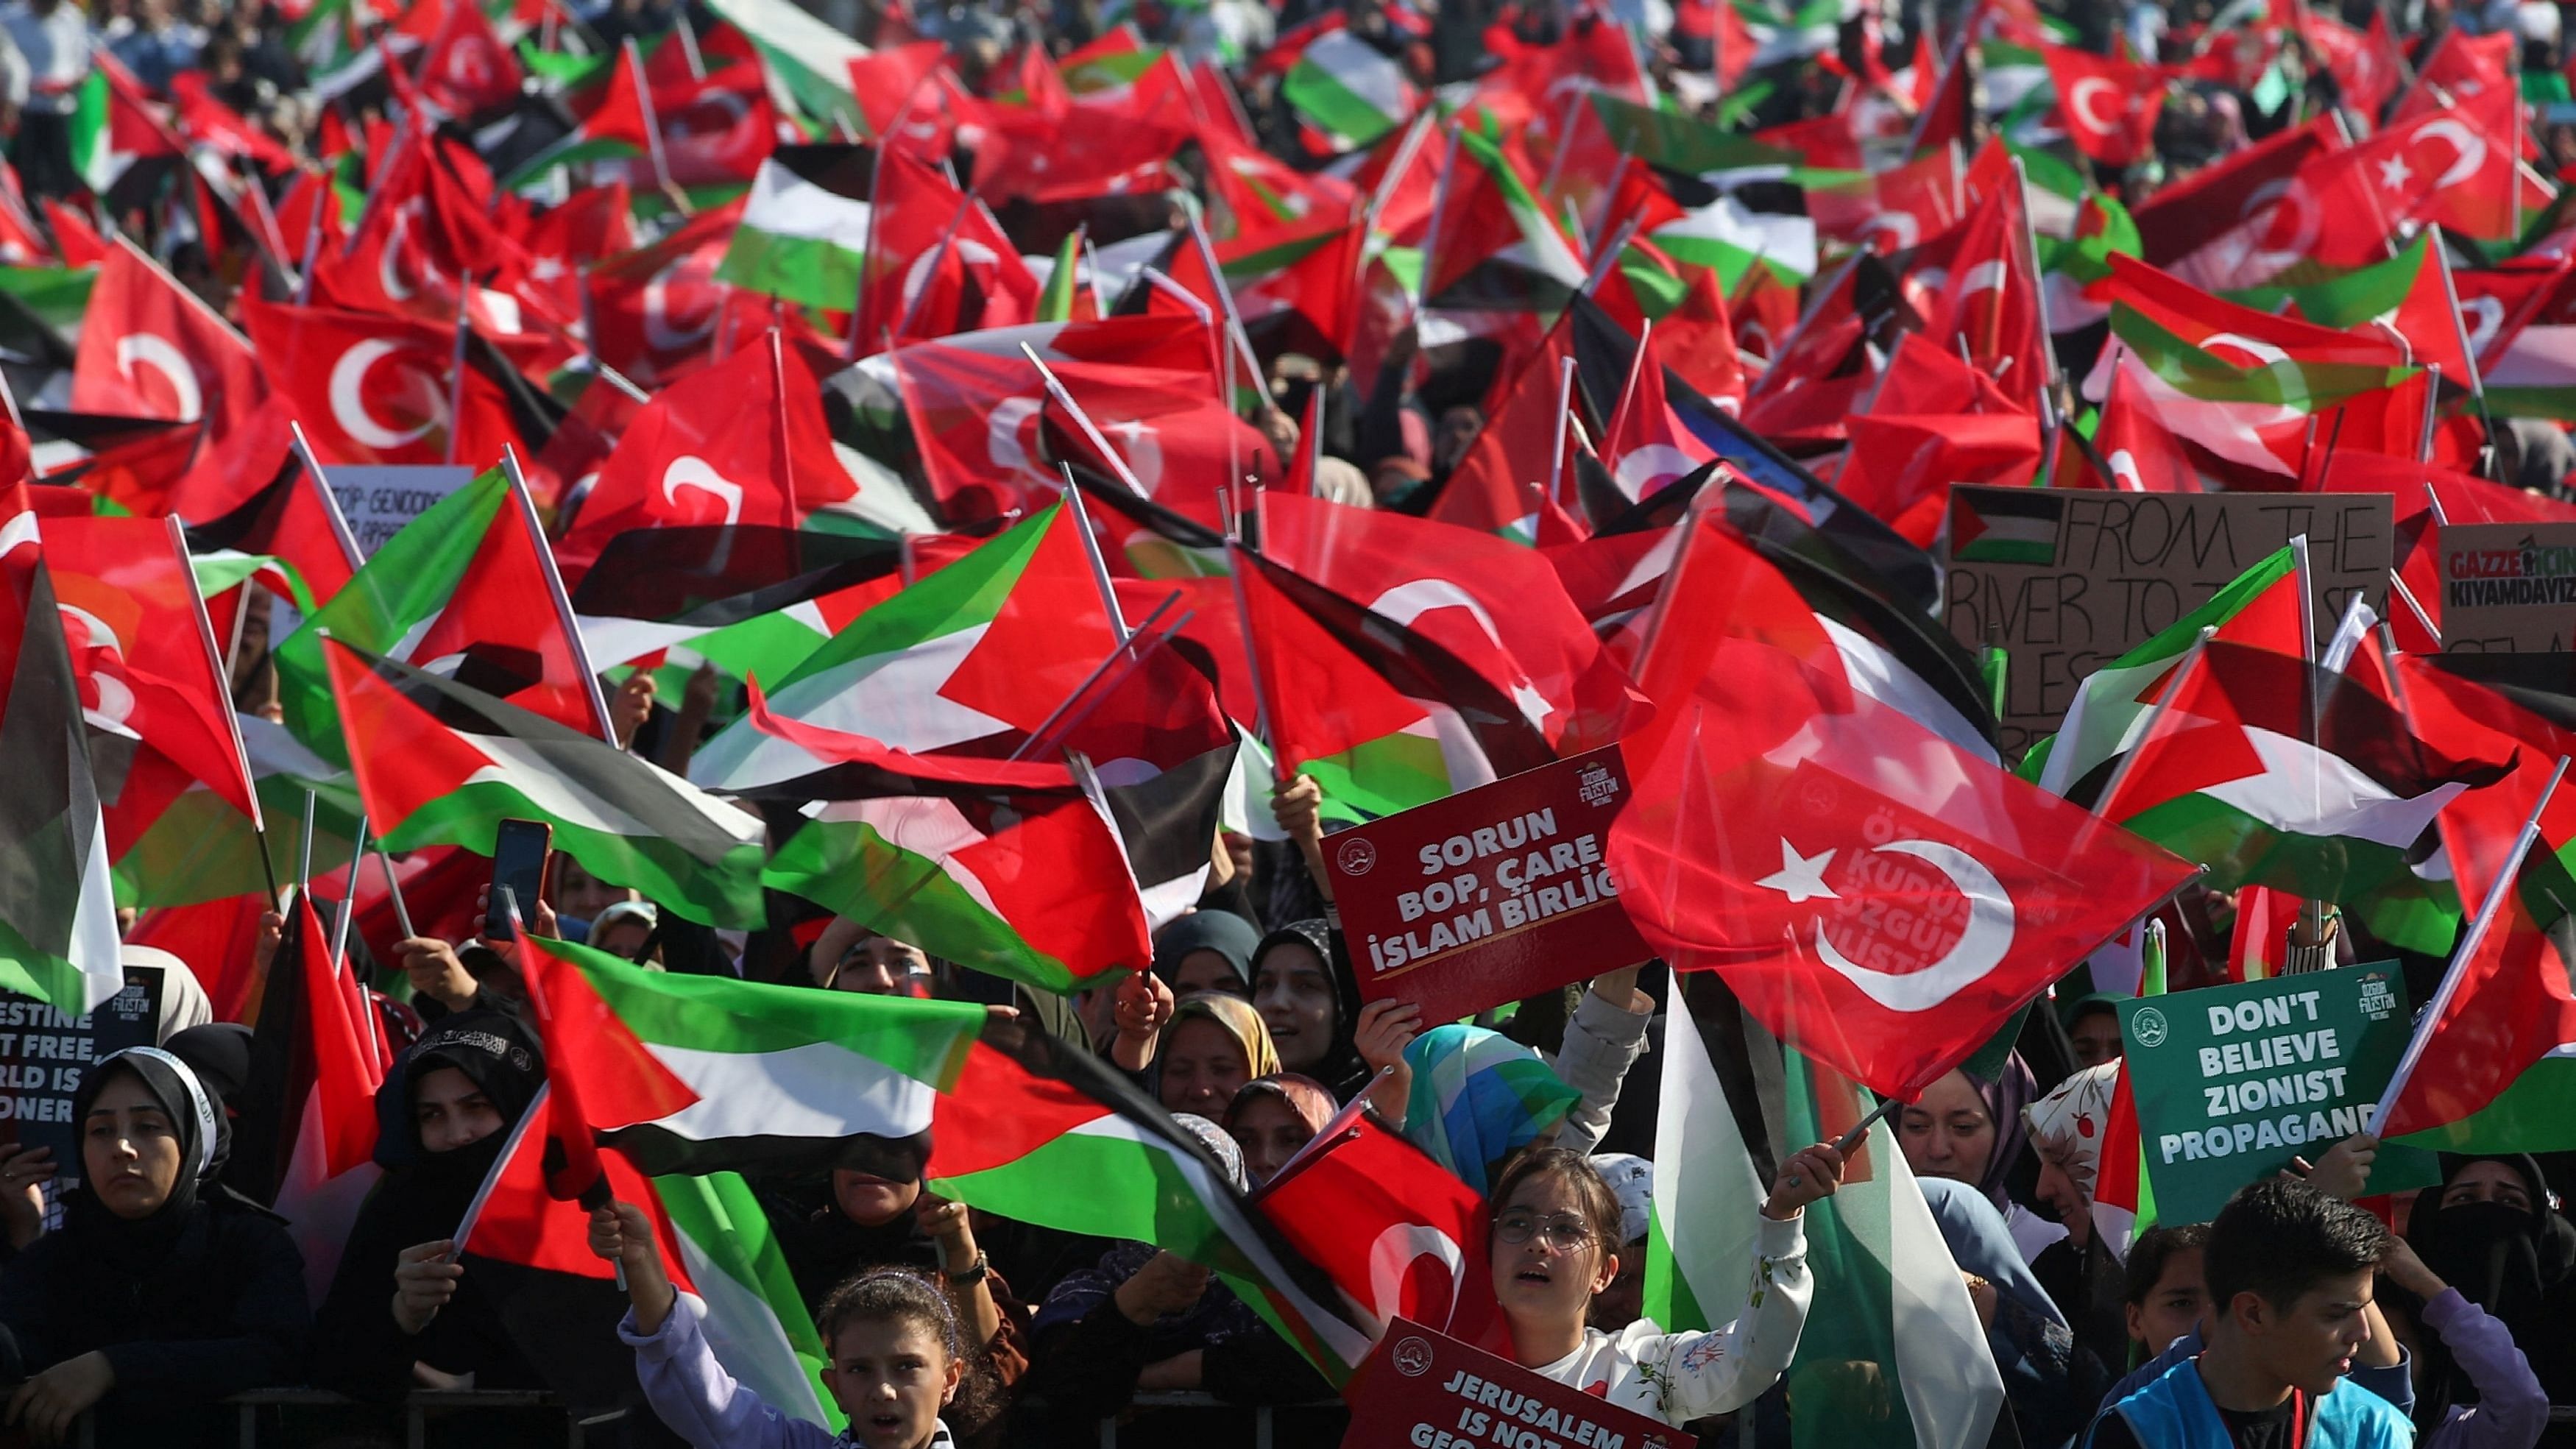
point(2518, 1264)
point(1340, 1068)
point(501, 1057)
point(1225, 933)
point(196, 1113)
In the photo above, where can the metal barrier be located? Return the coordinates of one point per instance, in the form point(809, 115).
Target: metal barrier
point(418, 1409)
point(1265, 1417)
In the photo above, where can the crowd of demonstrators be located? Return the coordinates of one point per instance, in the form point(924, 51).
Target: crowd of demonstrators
point(2313, 1311)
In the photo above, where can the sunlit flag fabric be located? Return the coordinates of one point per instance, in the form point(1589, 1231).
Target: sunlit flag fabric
point(1880, 899)
point(439, 763)
point(58, 939)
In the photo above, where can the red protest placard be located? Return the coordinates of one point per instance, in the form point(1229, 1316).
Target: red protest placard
point(1488, 896)
point(1421, 1389)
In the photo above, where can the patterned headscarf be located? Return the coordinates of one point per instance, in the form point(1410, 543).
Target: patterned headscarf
point(1478, 1097)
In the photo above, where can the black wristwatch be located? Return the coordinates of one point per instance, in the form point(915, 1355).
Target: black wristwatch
point(976, 1272)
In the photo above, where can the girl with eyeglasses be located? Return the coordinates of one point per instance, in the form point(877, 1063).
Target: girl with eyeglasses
point(1554, 1246)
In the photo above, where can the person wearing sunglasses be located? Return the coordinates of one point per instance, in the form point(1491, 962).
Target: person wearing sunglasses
point(1554, 1247)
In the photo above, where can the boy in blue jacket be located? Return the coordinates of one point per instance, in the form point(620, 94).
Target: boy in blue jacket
point(2289, 1271)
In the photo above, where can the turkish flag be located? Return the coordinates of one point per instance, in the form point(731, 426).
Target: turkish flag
point(2453, 167)
point(467, 69)
point(1397, 1232)
point(151, 349)
point(1880, 899)
point(375, 389)
point(2110, 105)
point(740, 442)
point(653, 310)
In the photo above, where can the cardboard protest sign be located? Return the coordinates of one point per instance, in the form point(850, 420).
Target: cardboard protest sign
point(2508, 588)
point(379, 500)
point(2233, 1081)
point(2067, 580)
point(1488, 896)
point(44, 1053)
point(1422, 1389)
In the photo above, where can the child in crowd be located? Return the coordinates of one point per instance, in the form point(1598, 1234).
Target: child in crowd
point(898, 1357)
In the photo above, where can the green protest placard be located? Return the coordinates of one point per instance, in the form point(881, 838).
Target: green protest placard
point(2234, 1081)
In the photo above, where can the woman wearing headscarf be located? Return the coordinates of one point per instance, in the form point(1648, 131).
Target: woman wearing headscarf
point(1969, 1129)
point(2490, 1235)
point(399, 1303)
point(1273, 1117)
point(2081, 1271)
point(154, 1301)
point(2052, 1384)
point(1213, 1046)
point(1207, 951)
point(1146, 1320)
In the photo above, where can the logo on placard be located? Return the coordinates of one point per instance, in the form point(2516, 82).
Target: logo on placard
point(1597, 785)
point(1413, 1357)
point(2149, 1028)
point(2377, 1000)
point(1358, 857)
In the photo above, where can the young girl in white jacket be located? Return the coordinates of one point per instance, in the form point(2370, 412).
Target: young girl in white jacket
point(1555, 1232)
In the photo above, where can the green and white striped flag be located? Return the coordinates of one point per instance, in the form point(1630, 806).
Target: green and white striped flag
point(804, 232)
point(1349, 90)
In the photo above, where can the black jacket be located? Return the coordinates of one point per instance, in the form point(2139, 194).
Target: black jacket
point(224, 1311)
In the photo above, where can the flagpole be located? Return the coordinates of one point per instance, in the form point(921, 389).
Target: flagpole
point(393, 889)
point(456, 362)
point(330, 501)
point(1574, 99)
point(2398, 586)
point(1091, 551)
point(1125, 650)
point(348, 897)
point(312, 242)
point(946, 237)
point(1431, 237)
point(555, 589)
point(232, 720)
point(1252, 659)
point(1090, 430)
point(778, 384)
point(304, 854)
point(1224, 294)
point(1344, 1126)
point(2470, 940)
point(1627, 393)
point(652, 123)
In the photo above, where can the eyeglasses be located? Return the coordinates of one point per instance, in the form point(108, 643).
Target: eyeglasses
point(1564, 1232)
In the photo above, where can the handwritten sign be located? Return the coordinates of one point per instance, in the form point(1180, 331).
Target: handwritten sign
point(1488, 896)
point(44, 1053)
point(1422, 1389)
point(2067, 580)
point(2234, 1081)
point(2508, 588)
point(379, 500)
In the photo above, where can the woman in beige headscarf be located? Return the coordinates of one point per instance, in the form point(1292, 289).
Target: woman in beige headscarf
point(1214, 1044)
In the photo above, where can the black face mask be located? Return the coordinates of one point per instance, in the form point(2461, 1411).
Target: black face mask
point(2490, 1251)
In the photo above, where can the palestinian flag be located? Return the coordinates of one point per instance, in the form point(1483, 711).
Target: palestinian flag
point(971, 659)
point(1348, 91)
point(440, 763)
point(2536, 376)
point(1384, 718)
point(750, 599)
point(804, 233)
point(2112, 705)
point(58, 938)
point(696, 1074)
point(1042, 1132)
point(1880, 1262)
point(1731, 238)
point(292, 529)
point(314, 1053)
point(2234, 774)
point(1497, 245)
point(467, 589)
point(2519, 704)
point(1707, 1196)
point(2492, 1066)
point(533, 1251)
point(1042, 870)
point(1010, 868)
point(616, 129)
point(2011, 526)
